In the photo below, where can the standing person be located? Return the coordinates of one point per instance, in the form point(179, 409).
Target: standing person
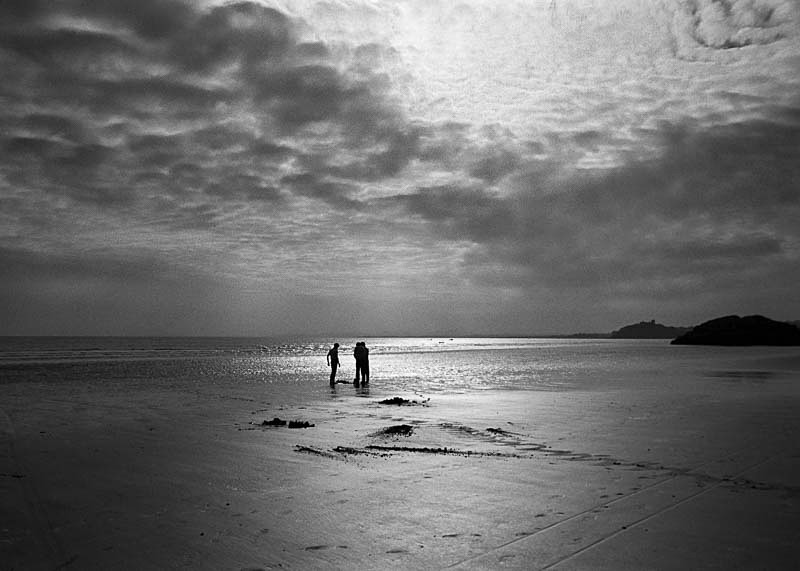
point(333, 361)
point(359, 353)
point(364, 364)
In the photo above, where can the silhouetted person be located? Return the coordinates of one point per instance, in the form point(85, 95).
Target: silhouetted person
point(333, 361)
point(365, 364)
point(357, 352)
point(361, 354)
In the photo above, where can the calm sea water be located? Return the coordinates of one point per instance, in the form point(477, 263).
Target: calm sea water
point(418, 364)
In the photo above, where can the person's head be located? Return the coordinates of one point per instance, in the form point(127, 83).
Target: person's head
point(335, 345)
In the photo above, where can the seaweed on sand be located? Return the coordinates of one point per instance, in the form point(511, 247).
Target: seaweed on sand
point(396, 430)
point(400, 401)
point(292, 423)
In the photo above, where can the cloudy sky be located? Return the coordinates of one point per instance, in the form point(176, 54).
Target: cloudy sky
point(396, 167)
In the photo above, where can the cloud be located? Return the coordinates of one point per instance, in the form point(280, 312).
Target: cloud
point(369, 152)
point(243, 33)
point(133, 266)
point(726, 24)
point(462, 213)
point(47, 125)
point(704, 28)
point(333, 193)
point(130, 91)
point(711, 203)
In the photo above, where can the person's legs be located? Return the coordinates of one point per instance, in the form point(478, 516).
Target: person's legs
point(333, 373)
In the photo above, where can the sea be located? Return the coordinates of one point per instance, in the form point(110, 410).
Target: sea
point(418, 364)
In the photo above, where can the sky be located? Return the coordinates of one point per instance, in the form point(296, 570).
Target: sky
point(409, 167)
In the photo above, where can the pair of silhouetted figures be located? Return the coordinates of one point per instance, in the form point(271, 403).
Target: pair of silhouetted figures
point(361, 354)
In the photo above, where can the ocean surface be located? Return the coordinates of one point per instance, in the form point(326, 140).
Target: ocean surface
point(424, 365)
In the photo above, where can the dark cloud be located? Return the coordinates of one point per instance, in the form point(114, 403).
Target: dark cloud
point(443, 143)
point(266, 149)
point(16, 11)
point(132, 101)
point(462, 213)
point(488, 154)
point(306, 94)
point(76, 51)
point(312, 51)
point(589, 139)
point(249, 60)
point(494, 165)
point(388, 154)
point(151, 19)
point(147, 98)
point(67, 169)
point(357, 110)
point(158, 150)
point(745, 168)
point(241, 33)
point(48, 125)
point(713, 200)
point(743, 248)
point(170, 31)
point(30, 147)
point(333, 193)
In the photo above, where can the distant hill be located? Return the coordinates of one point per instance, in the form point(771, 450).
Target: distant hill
point(648, 330)
point(733, 330)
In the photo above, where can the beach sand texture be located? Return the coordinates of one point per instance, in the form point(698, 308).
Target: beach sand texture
point(136, 476)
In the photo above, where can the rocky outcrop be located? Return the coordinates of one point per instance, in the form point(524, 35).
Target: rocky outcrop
point(648, 330)
point(741, 331)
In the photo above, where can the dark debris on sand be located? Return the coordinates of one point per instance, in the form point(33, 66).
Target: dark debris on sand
point(399, 401)
point(396, 430)
point(339, 453)
point(292, 423)
point(357, 451)
point(316, 451)
point(501, 431)
point(442, 451)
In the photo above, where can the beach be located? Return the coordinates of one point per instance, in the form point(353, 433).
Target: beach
point(131, 474)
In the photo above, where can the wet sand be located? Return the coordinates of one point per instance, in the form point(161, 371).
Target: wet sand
point(117, 477)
